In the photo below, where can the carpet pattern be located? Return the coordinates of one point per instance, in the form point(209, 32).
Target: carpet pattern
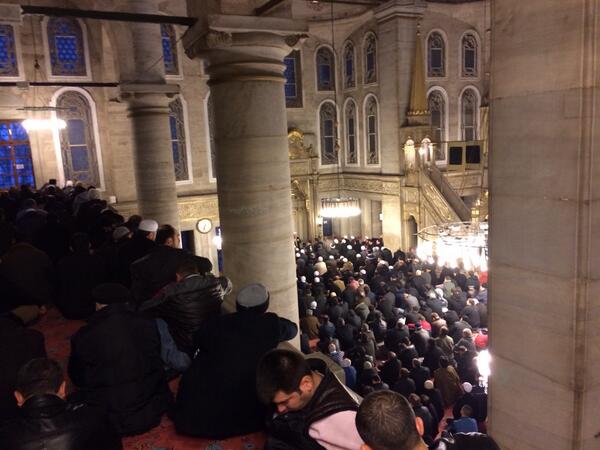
point(58, 332)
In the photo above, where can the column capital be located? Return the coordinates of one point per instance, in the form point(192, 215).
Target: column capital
point(400, 8)
point(242, 46)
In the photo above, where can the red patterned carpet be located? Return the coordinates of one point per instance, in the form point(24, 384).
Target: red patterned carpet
point(58, 332)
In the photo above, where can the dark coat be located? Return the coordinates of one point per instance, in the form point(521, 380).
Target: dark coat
point(135, 248)
point(115, 362)
point(78, 275)
point(157, 269)
point(217, 394)
point(420, 375)
point(405, 387)
point(185, 305)
point(48, 422)
point(17, 346)
point(390, 371)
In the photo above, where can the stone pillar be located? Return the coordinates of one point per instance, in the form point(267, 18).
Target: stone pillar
point(392, 222)
point(148, 98)
point(396, 20)
point(245, 65)
point(544, 243)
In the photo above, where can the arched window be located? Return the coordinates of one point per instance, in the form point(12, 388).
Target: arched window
point(328, 129)
point(370, 59)
point(469, 109)
point(371, 129)
point(436, 53)
point(77, 143)
point(325, 70)
point(351, 125)
point(66, 47)
point(178, 140)
point(293, 80)
point(469, 55)
point(349, 72)
point(169, 48)
point(437, 108)
point(210, 124)
point(9, 63)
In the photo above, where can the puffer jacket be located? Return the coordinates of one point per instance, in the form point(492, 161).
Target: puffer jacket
point(186, 304)
point(47, 422)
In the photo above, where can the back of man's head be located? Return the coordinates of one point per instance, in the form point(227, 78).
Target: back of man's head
point(280, 370)
point(38, 377)
point(386, 421)
point(165, 234)
point(186, 267)
point(80, 243)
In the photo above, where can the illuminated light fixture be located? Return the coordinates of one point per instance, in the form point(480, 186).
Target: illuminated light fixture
point(44, 124)
point(484, 360)
point(340, 207)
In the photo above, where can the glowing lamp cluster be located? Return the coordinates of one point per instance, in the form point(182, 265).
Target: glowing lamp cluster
point(340, 207)
point(44, 124)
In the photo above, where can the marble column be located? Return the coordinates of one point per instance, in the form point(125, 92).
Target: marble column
point(544, 299)
point(396, 21)
point(244, 57)
point(366, 224)
point(148, 98)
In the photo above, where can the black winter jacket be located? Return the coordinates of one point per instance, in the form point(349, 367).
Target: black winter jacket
point(48, 422)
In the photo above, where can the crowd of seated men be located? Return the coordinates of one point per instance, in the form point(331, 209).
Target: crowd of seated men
point(370, 321)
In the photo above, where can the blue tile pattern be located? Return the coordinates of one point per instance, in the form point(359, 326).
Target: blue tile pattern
point(9, 65)
point(67, 54)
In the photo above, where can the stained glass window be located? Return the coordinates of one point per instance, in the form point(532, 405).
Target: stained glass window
point(9, 65)
point(372, 132)
point(211, 137)
point(169, 47)
point(370, 59)
point(328, 128)
point(16, 166)
point(437, 108)
point(78, 148)
point(178, 142)
point(469, 115)
point(293, 83)
point(325, 70)
point(469, 56)
point(349, 72)
point(351, 149)
point(435, 55)
point(66, 47)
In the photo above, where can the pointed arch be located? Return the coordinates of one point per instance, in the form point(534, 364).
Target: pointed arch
point(325, 68)
point(436, 54)
point(468, 113)
point(371, 117)
point(78, 148)
point(327, 115)
point(437, 100)
point(66, 48)
point(470, 51)
point(180, 140)
point(370, 58)
point(349, 64)
point(351, 139)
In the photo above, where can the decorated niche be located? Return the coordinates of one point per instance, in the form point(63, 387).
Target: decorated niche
point(296, 146)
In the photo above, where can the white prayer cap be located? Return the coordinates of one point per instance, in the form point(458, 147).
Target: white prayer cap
point(367, 365)
point(359, 256)
point(444, 309)
point(320, 259)
point(363, 271)
point(345, 259)
point(468, 387)
point(439, 292)
point(313, 305)
point(335, 241)
point(69, 183)
point(148, 225)
point(362, 247)
point(402, 320)
point(418, 273)
point(346, 362)
point(252, 295)
point(375, 249)
point(428, 384)
point(297, 255)
point(302, 251)
point(303, 279)
point(316, 274)
point(333, 294)
point(331, 257)
point(345, 236)
point(317, 280)
point(343, 241)
point(351, 237)
point(361, 281)
point(349, 247)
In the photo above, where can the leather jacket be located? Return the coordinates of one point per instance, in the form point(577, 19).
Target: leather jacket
point(48, 422)
point(290, 431)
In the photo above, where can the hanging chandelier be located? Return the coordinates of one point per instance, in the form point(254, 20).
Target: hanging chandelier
point(338, 207)
point(38, 124)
